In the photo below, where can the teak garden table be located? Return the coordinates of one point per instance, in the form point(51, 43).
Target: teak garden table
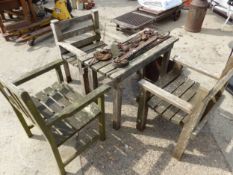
point(117, 75)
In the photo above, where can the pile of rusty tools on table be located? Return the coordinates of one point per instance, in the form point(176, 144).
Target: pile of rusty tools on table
point(28, 20)
point(122, 53)
point(139, 44)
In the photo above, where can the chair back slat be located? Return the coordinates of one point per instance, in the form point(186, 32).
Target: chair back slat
point(66, 29)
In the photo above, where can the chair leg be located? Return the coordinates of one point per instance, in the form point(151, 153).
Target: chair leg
point(56, 155)
point(102, 119)
point(142, 110)
point(23, 123)
point(187, 130)
point(83, 74)
point(67, 72)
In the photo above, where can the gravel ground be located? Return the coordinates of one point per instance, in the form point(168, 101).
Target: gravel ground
point(126, 151)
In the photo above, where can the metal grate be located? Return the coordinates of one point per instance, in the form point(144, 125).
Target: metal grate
point(133, 19)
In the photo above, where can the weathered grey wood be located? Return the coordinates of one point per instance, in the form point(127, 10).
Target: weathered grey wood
point(165, 61)
point(38, 71)
point(144, 59)
point(74, 107)
point(172, 110)
point(81, 118)
point(109, 67)
point(67, 72)
point(162, 107)
point(102, 118)
point(186, 96)
point(72, 49)
point(93, 79)
point(95, 14)
point(188, 128)
point(79, 31)
point(48, 109)
point(100, 65)
point(142, 109)
point(171, 87)
point(82, 40)
point(93, 47)
point(67, 92)
point(59, 74)
point(83, 78)
point(56, 31)
point(76, 20)
point(23, 122)
point(117, 101)
point(200, 99)
point(174, 100)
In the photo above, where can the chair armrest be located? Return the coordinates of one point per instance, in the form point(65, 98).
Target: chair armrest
point(39, 71)
point(166, 96)
point(73, 108)
point(72, 49)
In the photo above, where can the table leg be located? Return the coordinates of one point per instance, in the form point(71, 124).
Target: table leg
point(117, 102)
point(165, 61)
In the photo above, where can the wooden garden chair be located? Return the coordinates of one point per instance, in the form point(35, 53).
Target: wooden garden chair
point(58, 111)
point(181, 100)
point(76, 38)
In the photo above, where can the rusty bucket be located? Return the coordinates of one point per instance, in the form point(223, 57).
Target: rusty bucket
point(196, 15)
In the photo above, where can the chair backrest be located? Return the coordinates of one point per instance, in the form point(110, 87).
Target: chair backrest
point(77, 26)
point(21, 101)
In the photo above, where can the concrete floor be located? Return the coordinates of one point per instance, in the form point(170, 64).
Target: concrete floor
point(125, 151)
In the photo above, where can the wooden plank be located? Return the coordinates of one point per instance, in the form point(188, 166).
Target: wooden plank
point(164, 65)
point(67, 92)
point(76, 51)
point(195, 100)
point(162, 106)
point(81, 118)
point(117, 104)
point(38, 71)
point(109, 67)
point(95, 14)
point(77, 106)
point(76, 20)
point(56, 30)
point(154, 101)
point(170, 76)
point(172, 110)
point(93, 47)
point(170, 98)
point(85, 41)
point(75, 32)
point(144, 59)
point(61, 130)
point(100, 65)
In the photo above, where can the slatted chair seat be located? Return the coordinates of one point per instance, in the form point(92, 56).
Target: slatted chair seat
point(53, 99)
point(177, 98)
point(179, 85)
point(58, 111)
